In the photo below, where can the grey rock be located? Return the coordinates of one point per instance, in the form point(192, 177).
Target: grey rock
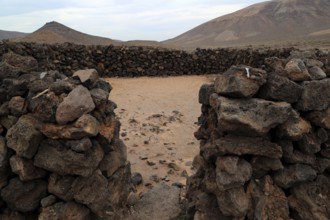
point(297, 70)
point(102, 84)
point(280, 88)
point(112, 162)
point(23, 137)
point(232, 172)
point(5, 171)
point(61, 210)
point(294, 156)
point(55, 157)
point(77, 103)
point(25, 169)
point(316, 73)
point(235, 145)
point(268, 200)
point(167, 208)
point(294, 174)
point(204, 94)
point(61, 86)
point(48, 201)
point(8, 121)
point(24, 196)
point(240, 81)
point(315, 96)
point(313, 62)
point(136, 179)
point(87, 77)
point(310, 200)
point(234, 202)
point(99, 96)
point(275, 63)
point(250, 117)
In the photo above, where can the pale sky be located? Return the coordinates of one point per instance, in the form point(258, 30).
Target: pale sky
point(117, 19)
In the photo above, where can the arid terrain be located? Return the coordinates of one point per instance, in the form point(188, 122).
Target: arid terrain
point(158, 117)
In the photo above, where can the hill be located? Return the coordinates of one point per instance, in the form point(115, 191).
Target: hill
point(11, 34)
point(271, 22)
point(54, 32)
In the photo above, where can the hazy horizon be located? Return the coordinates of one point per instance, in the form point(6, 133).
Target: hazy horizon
point(129, 20)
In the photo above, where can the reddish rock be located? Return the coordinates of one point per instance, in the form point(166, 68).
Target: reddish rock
point(320, 118)
point(294, 128)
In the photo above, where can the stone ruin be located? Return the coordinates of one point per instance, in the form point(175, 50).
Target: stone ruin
point(264, 144)
point(60, 152)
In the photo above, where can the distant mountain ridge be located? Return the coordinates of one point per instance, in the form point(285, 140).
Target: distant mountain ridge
point(54, 32)
point(11, 34)
point(271, 21)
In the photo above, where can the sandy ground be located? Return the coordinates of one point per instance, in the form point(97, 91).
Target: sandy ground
point(158, 117)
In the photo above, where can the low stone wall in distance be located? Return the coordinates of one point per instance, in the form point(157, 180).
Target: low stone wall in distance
point(264, 144)
point(141, 61)
point(60, 152)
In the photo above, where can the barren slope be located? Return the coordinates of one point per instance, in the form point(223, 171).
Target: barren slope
point(268, 22)
point(11, 34)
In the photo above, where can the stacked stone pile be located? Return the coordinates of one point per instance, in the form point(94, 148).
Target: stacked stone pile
point(60, 152)
point(138, 61)
point(265, 143)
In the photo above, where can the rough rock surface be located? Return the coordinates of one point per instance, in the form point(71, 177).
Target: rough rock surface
point(264, 159)
point(54, 142)
point(240, 81)
point(77, 103)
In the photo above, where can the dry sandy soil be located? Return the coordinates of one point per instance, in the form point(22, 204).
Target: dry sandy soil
point(158, 117)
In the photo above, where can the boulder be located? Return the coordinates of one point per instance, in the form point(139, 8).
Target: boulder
point(297, 70)
point(23, 137)
point(279, 88)
point(5, 171)
point(54, 156)
point(294, 174)
point(25, 169)
point(310, 143)
point(249, 117)
point(79, 146)
point(262, 165)
point(48, 201)
point(61, 86)
point(315, 96)
point(312, 63)
point(61, 210)
point(24, 196)
point(240, 81)
point(78, 102)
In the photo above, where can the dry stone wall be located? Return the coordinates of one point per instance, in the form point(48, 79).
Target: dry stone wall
point(140, 61)
point(60, 152)
point(264, 143)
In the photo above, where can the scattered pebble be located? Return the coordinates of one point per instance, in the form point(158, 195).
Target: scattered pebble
point(151, 163)
point(188, 163)
point(184, 174)
point(146, 142)
point(162, 161)
point(154, 178)
point(173, 166)
point(144, 157)
point(136, 179)
point(178, 184)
